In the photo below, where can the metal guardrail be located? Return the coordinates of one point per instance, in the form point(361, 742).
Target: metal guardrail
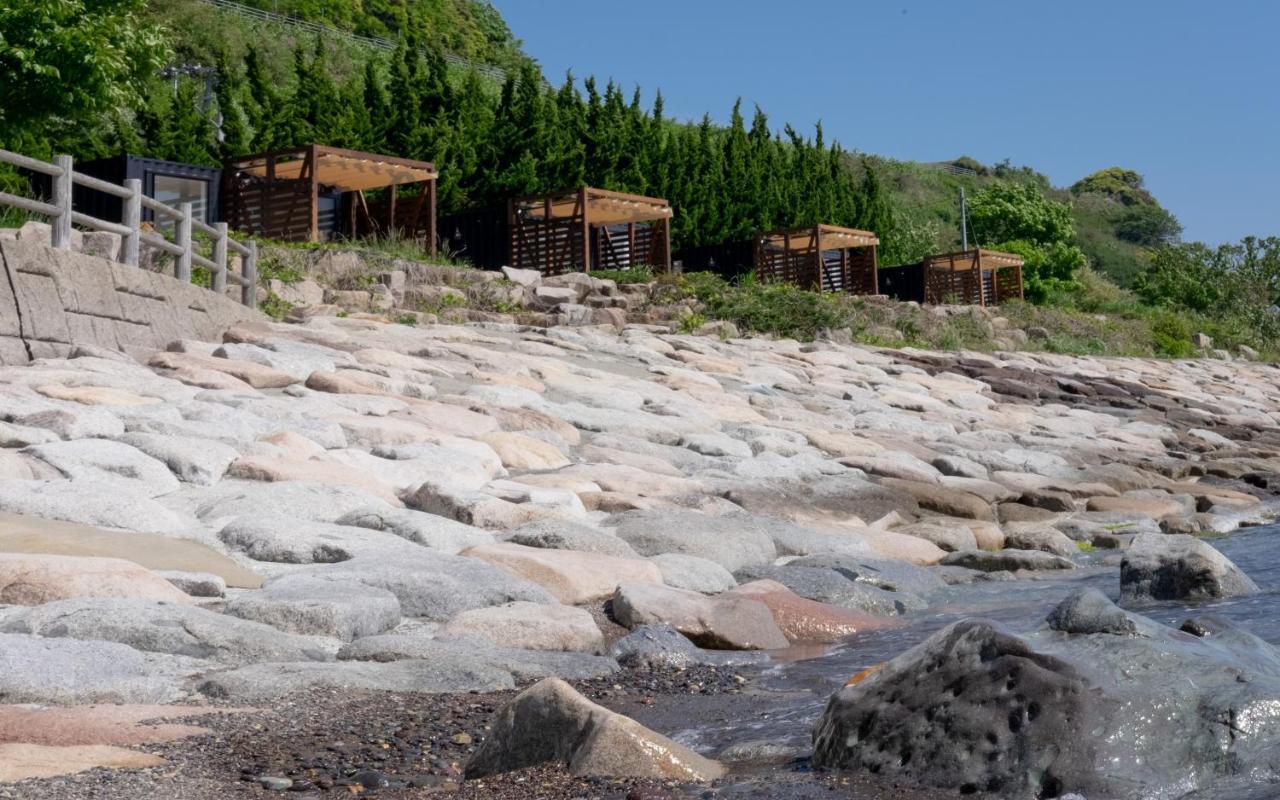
point(487, 70)
point(183, 249)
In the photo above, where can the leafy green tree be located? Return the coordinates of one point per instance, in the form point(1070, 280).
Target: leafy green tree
point(1118, 183)
point(1018, 218)
point(67, 62)
point(1147, 225)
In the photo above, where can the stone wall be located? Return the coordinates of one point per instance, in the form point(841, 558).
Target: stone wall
point(52, 300)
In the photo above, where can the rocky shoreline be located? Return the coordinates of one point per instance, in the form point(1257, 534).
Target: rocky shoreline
point(402, 526)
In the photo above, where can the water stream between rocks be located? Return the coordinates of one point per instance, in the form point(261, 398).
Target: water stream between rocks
point(769, 730)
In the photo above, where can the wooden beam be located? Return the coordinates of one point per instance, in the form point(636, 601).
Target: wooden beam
point(314, 196)
point(586, 230)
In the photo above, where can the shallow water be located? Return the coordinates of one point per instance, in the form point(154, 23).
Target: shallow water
point(794, 693)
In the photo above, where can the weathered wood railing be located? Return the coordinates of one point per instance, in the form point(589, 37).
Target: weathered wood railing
point(131, 232)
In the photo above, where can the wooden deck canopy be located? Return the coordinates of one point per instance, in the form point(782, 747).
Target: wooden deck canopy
point(281, 194)
point(578, 230)
point(973, 277)
point(823, 257)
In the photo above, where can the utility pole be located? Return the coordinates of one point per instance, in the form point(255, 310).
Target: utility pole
point(964, 221)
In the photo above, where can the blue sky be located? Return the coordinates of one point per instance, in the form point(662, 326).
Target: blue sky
point(1187, 93)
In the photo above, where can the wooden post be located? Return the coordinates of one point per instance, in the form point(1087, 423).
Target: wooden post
point(351, 214)
point(431, 216)
point(586, 230)
point(875, 271)
point(391, 212)
point(133, 221)
point(219, 284)
point(60, 234)
point(818, 264)
point(512, 234)
point(666, 243)
point(182, 266)
point(314, 195)
point(249, 276)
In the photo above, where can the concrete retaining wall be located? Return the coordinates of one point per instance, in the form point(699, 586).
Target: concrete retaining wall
point(52, 300)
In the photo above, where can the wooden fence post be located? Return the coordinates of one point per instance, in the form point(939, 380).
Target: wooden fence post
point(249, 275)
point(60, 236)
point(219, 283)
point(182, 270)
point(133, 221)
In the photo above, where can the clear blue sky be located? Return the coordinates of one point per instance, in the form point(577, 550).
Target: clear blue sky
point(1187, 92)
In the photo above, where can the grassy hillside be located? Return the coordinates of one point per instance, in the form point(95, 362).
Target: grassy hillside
point(926, 202)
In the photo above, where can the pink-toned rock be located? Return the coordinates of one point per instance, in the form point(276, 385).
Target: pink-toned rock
point(20, 762)
point(22, 467)
point(573, 577)
point(1154, 507)
point(531, 626)
point(32, 580)
point(99, 724)
point(256, 375)
point(904, 547)
point(723, 622)
point(97, 395)
point(449, 418)
point(345, 382)
point(208, 379)
point(804, 620)
point(318, 469)
point(550, 722)
point(520, 452)
point(476, 508)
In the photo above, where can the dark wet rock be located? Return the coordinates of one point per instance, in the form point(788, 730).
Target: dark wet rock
point(1011, 560)
point(654, 647)
point(836, 587)
point(1082, 705)
point(1048, 499)
point(887, 574)
point(963, 576)
point(1090, 611)
point(1175, 567)
point(550, 722)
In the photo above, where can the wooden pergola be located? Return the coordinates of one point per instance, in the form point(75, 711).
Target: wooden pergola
point(281, 194)
point(972, 277)
point(582, 229)
point(821, 257)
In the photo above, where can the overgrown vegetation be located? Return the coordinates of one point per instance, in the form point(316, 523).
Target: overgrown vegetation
point(1105, 268)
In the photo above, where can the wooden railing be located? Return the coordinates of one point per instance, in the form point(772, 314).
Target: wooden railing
point(183, 249)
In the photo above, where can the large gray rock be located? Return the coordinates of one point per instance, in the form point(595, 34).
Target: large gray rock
point(418, 527)
point(733, 541)
point(285, 540)
point(1006, 560)
point(550, 722)
point(304, 604)
point(301, 500)
point(264, 682)
point(65, 671)
point(727, 622)
point(694, 574)
point(115, 506)
point(837, 587)
point(456, 652)
point(168, 628)
point(1038, 536)
point(561, 534)
point(434, 586)
point(1178, 567)
point(1085, 704)
point(661, 647)
point(193, 460)
point(106, 463)
point(892, 576)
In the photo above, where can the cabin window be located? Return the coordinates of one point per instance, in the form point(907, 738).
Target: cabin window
point(173, 191)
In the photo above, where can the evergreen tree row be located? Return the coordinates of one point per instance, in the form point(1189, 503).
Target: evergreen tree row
point(724, 183)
